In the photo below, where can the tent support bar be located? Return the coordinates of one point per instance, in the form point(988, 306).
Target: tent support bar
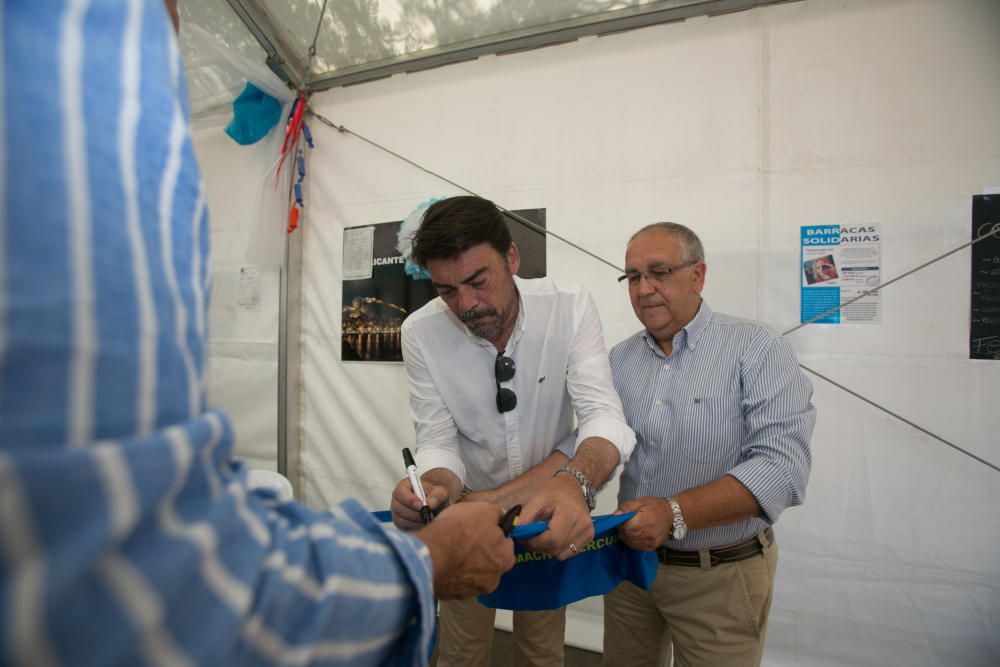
point(533, 38)
point(290, 363)
point(283, 366)
point(272, 38)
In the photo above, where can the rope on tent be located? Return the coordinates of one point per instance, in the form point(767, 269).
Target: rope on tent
point(312, 47)
point(995, 231)
point(509, 213)
point(899, 417)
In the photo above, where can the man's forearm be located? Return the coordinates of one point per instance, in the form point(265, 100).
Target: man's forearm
point(518, 490)
point(596, 458)
point(717, 503)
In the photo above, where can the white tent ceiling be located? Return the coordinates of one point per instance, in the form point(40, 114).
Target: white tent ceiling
point(361, 40)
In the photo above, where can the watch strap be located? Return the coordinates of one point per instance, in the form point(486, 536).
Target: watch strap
point(679, 528)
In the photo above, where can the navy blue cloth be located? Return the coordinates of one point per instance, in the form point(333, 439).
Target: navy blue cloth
point(539, 581)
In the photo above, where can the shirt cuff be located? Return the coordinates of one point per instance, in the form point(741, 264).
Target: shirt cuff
point(429, 457)
point(568, 445)
point(769, 484)
point(616, 432)
point(415, 644)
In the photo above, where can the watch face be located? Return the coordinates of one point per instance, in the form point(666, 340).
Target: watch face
point(680, 531)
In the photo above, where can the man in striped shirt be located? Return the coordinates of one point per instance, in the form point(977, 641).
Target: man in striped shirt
point(722, 417)
point(127, 533)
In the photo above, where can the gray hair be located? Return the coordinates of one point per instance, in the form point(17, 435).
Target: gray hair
point(690, 243)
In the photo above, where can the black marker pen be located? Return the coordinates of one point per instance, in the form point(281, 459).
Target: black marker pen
point(418, 488)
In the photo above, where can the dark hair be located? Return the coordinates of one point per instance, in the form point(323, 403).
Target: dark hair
point(453, 225)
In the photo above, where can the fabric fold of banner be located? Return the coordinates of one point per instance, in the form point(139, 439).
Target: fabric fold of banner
point(539, 581)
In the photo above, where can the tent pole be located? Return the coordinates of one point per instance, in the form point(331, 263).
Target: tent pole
point(281, 55)
point(289, 362)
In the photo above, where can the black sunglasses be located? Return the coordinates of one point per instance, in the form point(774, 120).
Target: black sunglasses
point(504, 369)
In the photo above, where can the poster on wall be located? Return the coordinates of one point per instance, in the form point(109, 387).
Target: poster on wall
point(378, 294)
point(984, 321)
point(838, 263)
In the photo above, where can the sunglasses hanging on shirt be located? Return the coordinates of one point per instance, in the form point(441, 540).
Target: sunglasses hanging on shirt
point(504, 369)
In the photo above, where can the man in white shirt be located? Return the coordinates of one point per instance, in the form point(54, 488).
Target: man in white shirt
point(497, 368)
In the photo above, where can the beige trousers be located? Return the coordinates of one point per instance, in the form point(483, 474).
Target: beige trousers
point(708, 617)
point(465, 636)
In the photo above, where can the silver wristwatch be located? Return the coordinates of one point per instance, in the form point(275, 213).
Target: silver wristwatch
point(585, 485)
point(680, 528)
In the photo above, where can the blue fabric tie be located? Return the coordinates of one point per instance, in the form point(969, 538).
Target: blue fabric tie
point(254, 114)
point(538, 581)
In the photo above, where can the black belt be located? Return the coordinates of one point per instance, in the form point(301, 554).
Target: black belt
point(730, 554)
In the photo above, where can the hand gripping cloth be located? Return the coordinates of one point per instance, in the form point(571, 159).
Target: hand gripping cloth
point(539, 581)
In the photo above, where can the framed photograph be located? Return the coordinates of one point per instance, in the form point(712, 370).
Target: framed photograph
point(378, 294)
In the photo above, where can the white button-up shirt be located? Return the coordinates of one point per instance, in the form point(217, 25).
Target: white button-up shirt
point(561, 370)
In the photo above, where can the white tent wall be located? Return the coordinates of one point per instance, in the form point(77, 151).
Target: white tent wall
point(744, 127)
point(243, 330)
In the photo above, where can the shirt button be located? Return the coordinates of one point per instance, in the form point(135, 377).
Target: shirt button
point(666, 367)
point(653, 445)
point(659, 402)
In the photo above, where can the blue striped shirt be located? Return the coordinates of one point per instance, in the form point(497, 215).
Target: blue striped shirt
point(730, 399)
point(127, 533)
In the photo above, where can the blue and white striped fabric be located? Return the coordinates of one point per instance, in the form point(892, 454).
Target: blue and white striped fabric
point(730, 399)
point(127, 534)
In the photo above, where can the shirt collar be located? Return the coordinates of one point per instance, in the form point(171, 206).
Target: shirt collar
point(519, 324)
point(689, 335)
point(696, 327)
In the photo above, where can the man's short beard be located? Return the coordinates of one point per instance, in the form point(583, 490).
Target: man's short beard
point(491, 329)
point(487, 329)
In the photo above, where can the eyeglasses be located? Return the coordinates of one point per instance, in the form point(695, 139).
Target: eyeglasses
point(504, 369)
point(658, 275)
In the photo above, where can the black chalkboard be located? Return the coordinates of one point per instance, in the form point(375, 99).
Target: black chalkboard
point(984, 325)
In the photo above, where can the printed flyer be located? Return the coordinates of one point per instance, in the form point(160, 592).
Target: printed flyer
point(840, 262)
